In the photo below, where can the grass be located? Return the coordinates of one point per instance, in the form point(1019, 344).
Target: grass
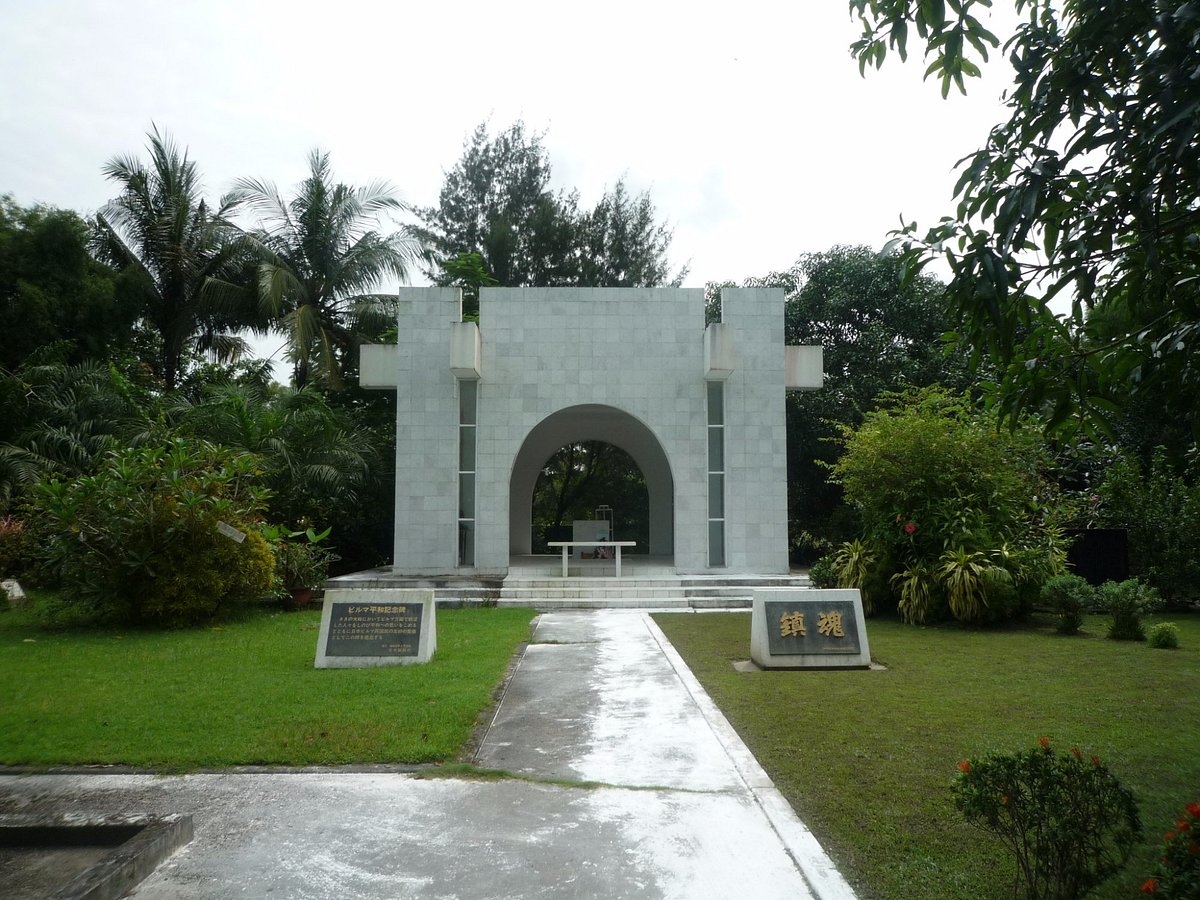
point(866, 757)
point(242, 693)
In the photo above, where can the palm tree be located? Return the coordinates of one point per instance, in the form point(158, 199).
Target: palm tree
point(318, 462)
point(182, 253)
point(323, 263)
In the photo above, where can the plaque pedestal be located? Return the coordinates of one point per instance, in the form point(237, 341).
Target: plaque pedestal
point(376, 627)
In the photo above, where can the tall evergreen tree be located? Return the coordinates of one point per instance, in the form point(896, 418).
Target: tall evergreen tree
point(497, 202)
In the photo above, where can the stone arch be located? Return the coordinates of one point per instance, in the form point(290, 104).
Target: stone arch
point(592, 422)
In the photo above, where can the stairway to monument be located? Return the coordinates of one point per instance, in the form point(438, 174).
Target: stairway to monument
point(663, 592)
point(544, 592)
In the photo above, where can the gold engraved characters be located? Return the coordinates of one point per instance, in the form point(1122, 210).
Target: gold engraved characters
point(830, 624)
point(792, 623)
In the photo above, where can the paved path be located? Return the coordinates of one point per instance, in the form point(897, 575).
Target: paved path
point(685, 812)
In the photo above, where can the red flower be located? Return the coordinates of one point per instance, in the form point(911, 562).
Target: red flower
point(964, 766)
point(1170, 836)
point(909, 527)
point(1075, 752)
point(1150, 886)
point(1096, 761)
point(1194, 810)
point(1182, 825)
point(1044, 742)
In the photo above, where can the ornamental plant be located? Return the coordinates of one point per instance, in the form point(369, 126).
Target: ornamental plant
point(1069, 596)
point(1126, 602)
point(1164, 636)
point(1160, 508)
point(1065, 818)
point(1178, 874)
point(139, 542)
point(958, 517)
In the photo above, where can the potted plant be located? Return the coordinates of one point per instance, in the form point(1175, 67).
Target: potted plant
point(301, 564)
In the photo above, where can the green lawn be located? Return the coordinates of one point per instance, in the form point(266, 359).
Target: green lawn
point(244, 692)
point(866, 757)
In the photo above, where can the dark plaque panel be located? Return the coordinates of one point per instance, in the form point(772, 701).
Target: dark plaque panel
point(374, 629)
point(811, 627)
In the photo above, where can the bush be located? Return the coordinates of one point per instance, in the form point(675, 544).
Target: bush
point(1164, 636)
point(1126, 602)
point(956, 515)
point(1161, 512)
point(821, 573)
point(1069, 596)
point(1178, 874)
point(138, 542)
point(16, 547)
point(1068, 821)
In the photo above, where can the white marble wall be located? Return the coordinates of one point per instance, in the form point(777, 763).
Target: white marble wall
point(638, 350)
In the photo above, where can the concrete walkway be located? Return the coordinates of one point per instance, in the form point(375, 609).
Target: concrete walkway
point(684, 810)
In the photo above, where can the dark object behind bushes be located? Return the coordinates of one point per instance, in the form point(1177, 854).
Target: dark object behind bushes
point(138, 543)
point(1069, 596)
point(1067, 820)
point(1099, 554)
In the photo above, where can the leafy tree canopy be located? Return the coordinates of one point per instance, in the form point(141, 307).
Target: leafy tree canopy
point(497, 202)
point(878, 334)
point(1090, 191)
point(52, 292)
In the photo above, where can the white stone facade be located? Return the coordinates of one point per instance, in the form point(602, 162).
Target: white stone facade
point(556, 365)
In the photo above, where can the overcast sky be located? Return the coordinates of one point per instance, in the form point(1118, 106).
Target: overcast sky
point(747, 121)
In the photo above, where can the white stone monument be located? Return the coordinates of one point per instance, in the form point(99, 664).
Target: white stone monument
point(481, 408)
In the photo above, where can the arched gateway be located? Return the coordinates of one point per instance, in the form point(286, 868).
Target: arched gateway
point(592, 422)
point(699, 408)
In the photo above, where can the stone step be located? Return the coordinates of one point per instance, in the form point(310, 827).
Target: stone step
point(543, 604)
point(640, 590)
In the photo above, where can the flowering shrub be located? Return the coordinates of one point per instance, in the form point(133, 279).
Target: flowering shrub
point(138, 542)
point(957, 516)
point(1067, 820)
point(1178, 873)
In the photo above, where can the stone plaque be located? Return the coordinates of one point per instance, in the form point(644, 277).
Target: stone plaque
point(829, 627)
point(795, 628)
point(376, 627)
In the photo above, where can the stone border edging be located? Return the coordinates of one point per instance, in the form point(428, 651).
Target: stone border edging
point(815, 865)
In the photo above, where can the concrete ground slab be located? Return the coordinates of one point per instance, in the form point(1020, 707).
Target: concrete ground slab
point(374, 836)
point(611, 709)
point(685, 811)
